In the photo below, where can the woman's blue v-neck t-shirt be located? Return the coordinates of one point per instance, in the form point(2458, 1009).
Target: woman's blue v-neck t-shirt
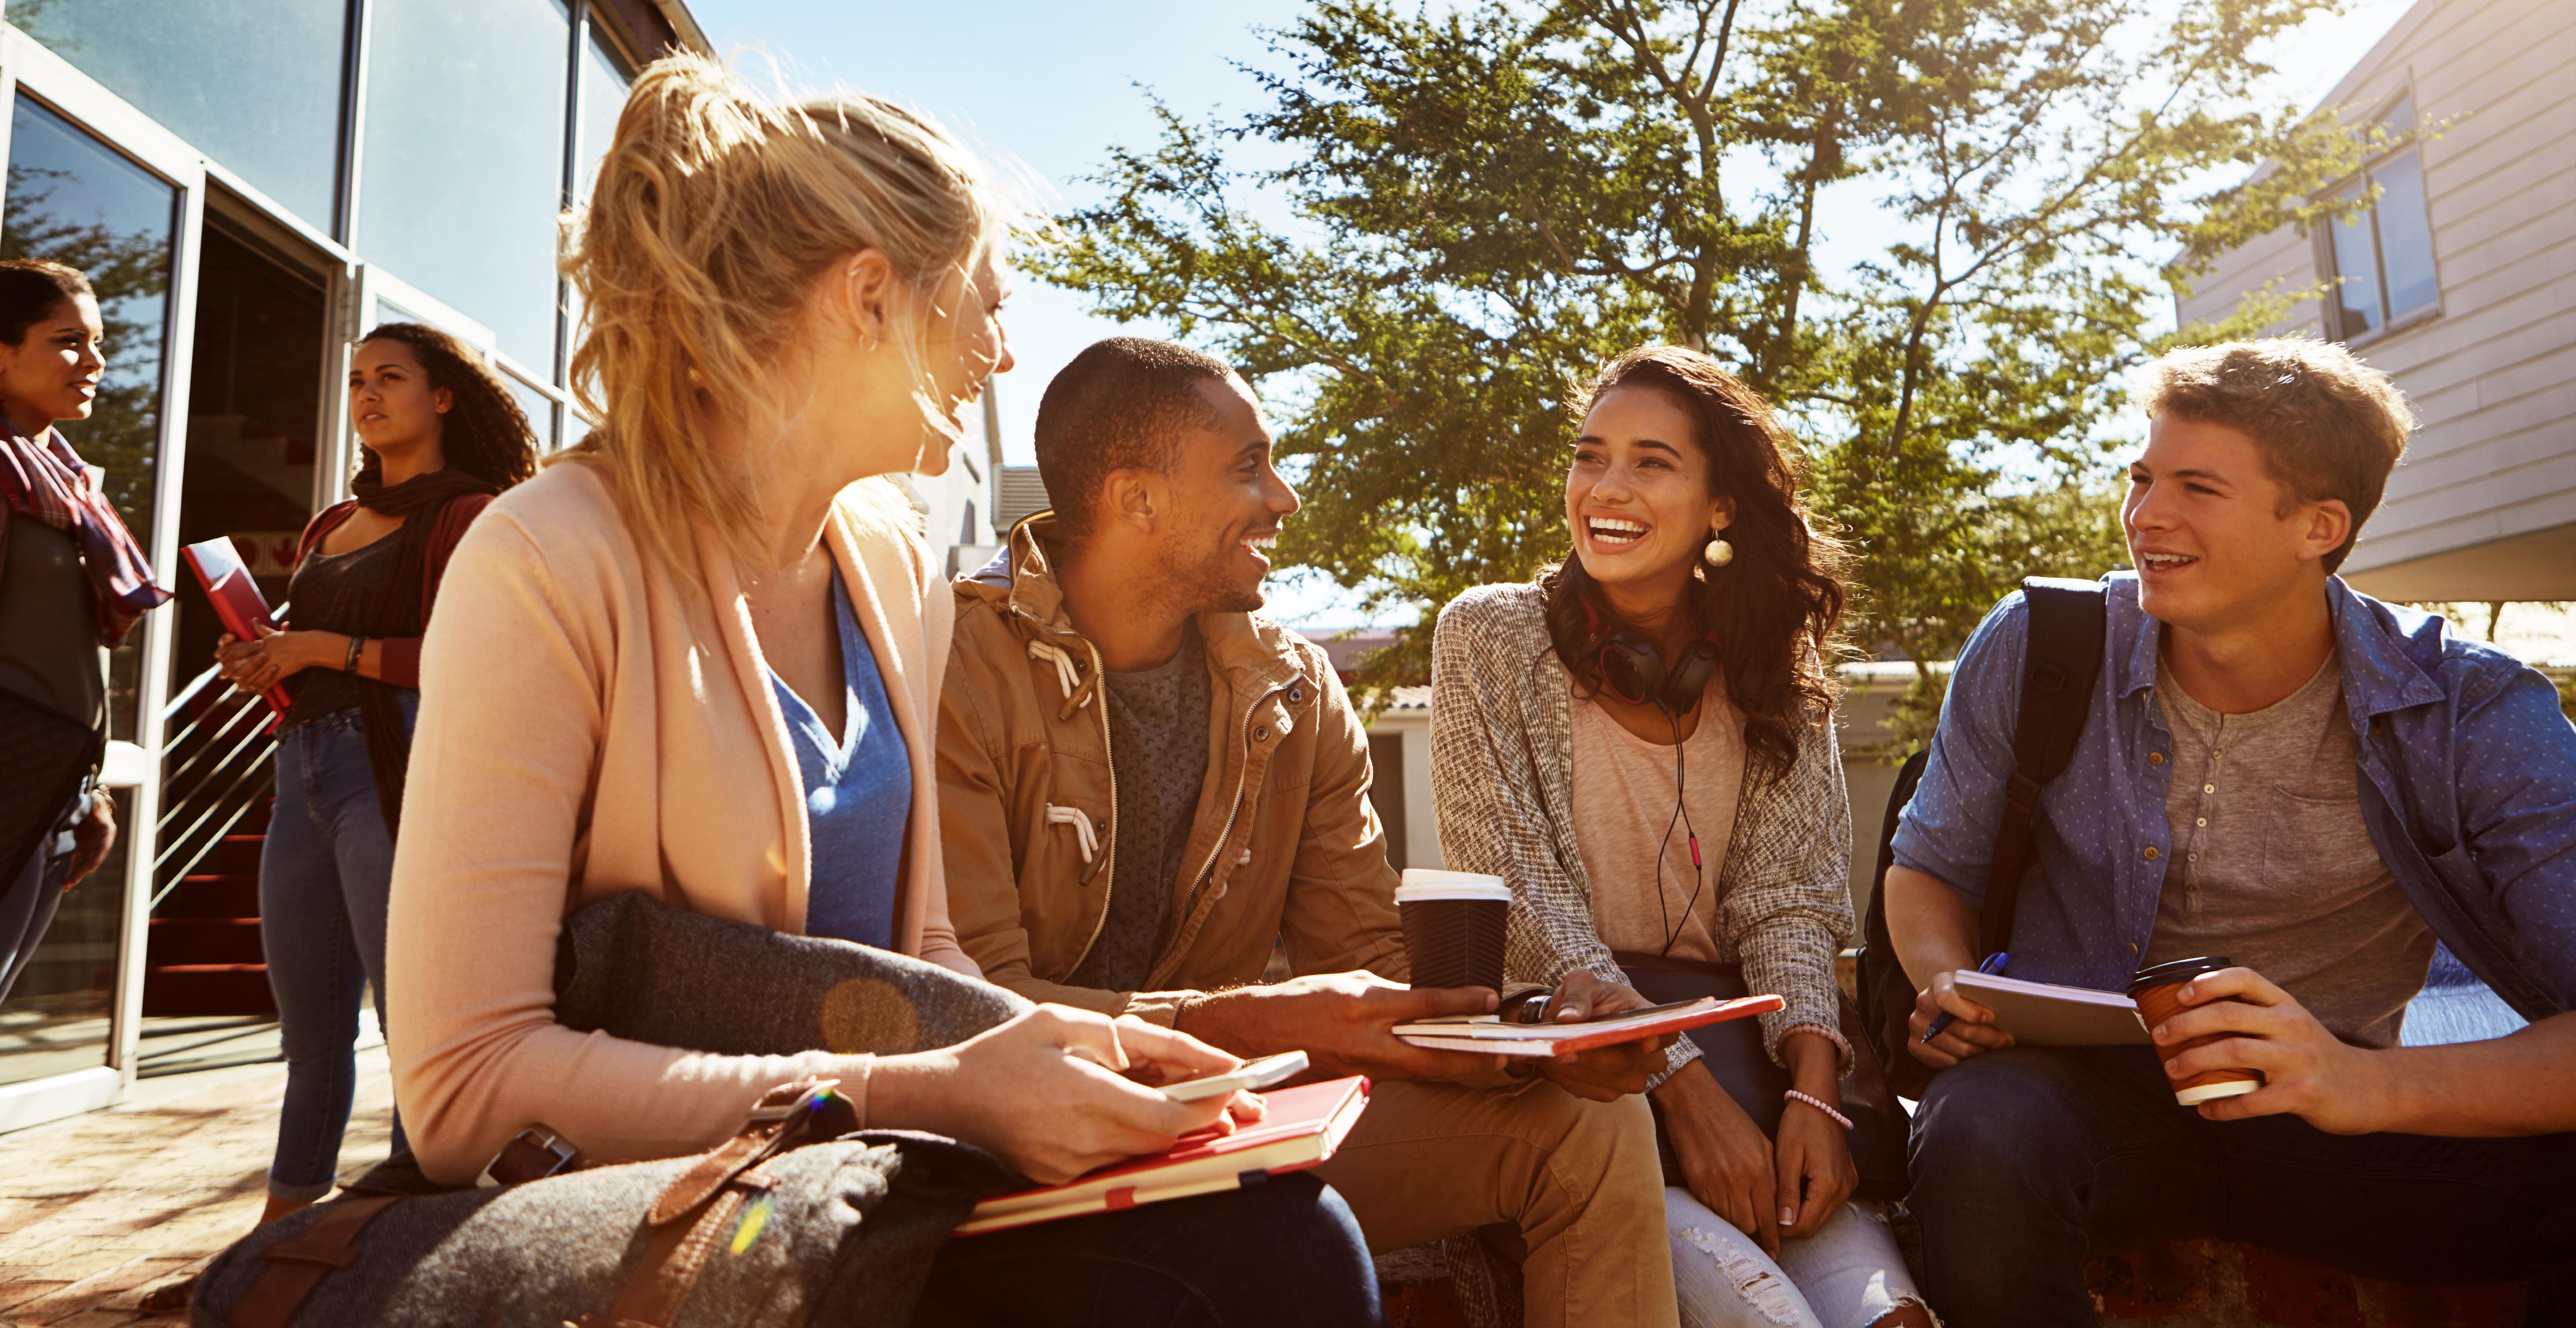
point(858, 793)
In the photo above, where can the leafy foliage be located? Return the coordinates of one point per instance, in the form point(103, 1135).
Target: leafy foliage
point(1481, 204)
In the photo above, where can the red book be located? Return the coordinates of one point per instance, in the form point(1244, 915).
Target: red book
point(1487, 1036)
point(1305, 1125)
point(238, 603)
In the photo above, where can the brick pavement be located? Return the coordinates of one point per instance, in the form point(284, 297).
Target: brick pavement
point(98, 1209)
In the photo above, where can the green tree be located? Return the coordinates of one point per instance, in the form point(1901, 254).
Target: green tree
point(1478, 206)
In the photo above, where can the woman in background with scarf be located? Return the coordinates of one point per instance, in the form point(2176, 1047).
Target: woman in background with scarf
point(72, 584)
point(442, 435)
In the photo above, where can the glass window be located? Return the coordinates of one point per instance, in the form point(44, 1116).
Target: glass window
point(540, 408)
point(72, 200)
point(605, 76)
point(462, 168)
point(2382, 256)
point(2353, 262)
point(254, 83)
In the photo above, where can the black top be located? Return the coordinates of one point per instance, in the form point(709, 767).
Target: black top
point(49, 651)
point(336, 592)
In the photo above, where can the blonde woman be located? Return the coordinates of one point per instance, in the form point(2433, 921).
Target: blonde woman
point(1641, 742)
point(699, 657)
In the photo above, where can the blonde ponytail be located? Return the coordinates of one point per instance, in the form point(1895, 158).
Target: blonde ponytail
point(713, 214)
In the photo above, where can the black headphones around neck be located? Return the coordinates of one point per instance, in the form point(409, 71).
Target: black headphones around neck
point(1633, 669)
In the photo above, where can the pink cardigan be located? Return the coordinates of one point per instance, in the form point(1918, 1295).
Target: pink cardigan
point(590, 726)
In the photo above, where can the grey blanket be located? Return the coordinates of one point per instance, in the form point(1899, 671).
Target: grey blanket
point(849, 1229)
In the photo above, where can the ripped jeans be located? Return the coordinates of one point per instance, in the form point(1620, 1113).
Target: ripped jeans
point(1847, 1275)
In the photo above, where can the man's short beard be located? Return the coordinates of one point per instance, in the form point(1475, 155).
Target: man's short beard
point(1195, 585)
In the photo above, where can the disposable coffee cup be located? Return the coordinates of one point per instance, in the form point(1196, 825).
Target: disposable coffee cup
point(1453, 927)
point(2158, 992)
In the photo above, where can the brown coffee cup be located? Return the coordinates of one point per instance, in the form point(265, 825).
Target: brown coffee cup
point(2158, 992)
point(1454, 926)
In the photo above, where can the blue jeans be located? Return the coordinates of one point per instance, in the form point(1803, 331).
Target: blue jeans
point(2028, 1162)
point(31, 895)
point(324, 876)
point(1285, 1252)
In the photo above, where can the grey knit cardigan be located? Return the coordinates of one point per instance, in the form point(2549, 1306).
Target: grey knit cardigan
point(1502, 780)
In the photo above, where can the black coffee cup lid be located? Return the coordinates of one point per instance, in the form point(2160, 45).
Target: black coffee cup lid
point(2177, 970)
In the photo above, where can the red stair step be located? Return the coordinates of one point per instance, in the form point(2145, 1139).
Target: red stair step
point(173, 941)
point(208, 989)
point(234, 853)
point(213, 895)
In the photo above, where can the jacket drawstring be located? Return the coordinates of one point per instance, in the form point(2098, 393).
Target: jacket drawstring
point(1081, 823)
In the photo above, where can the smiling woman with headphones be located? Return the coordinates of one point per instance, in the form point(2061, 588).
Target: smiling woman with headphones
point(1641, 743)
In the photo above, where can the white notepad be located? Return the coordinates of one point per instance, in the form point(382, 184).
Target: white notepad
point(2043, 1014)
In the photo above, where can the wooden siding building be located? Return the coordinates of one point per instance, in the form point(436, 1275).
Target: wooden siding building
point(2461, 283)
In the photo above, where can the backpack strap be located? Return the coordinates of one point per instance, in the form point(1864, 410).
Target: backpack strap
point(2063, 659)
point(297, 1266)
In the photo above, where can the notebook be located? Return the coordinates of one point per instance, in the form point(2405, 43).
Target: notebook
point(1491, 1037)
point(238, 604)
point(1305, 1125)
point(2043, 1014)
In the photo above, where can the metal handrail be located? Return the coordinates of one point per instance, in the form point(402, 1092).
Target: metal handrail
point(198, 684)
point(211, 788)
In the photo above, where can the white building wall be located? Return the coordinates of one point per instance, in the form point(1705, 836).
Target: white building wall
point(2484, 506)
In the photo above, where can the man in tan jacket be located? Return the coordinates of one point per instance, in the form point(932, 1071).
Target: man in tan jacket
point(1144, 789)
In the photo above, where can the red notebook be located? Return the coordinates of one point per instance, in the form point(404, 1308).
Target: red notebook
point(1305, 1125)
point(238, 603)
point(1485, 1035)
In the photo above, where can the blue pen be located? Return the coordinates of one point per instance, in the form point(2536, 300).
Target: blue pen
point(1994, 964)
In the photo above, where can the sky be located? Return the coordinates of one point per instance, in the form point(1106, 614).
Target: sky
point(1046, 90)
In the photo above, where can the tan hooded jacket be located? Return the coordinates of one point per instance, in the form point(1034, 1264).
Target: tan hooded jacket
point(1284, 844)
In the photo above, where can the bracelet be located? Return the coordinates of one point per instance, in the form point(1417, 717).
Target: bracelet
point(1839, 1118)
point(357, 646)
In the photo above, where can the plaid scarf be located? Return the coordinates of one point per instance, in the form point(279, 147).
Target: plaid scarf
point(46, 480)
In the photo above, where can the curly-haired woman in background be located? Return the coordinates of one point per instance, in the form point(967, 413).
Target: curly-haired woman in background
point(441, 436)
point(1641, 743)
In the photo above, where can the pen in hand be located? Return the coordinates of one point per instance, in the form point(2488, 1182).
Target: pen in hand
point(1994, 964)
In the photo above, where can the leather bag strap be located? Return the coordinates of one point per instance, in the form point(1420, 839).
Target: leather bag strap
point(2063, 659)
point(297, 1266)
point(672, 1260)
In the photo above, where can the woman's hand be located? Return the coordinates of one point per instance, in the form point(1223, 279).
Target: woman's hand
point(1726, 1163)
point(1812, 1157)
point(92, 838)
point(1603, 1074)
point(1050, 1093)
point(256, 666)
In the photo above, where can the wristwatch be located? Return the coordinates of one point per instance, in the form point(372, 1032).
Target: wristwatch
point(357, 647)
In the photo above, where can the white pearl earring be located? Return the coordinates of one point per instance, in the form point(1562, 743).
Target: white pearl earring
point(1719, 553)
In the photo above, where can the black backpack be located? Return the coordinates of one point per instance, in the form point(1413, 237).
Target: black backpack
point(2068, 621)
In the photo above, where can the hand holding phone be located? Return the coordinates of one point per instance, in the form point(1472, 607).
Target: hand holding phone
point(1249, 1076)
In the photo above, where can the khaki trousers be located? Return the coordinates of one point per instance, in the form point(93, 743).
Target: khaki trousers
point(1579, 1178)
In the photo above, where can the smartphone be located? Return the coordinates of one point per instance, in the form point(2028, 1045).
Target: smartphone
point(1250, 1075)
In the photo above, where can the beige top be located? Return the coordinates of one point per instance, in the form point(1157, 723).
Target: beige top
point(1623, 814)
point(589, 726)
point(2273, 866)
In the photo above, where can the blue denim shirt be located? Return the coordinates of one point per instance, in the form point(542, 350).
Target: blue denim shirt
point(2467, 780)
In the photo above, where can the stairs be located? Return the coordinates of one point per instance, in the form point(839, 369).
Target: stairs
point(202, 951)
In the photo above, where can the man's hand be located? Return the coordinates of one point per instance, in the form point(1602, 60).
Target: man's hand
point(1603, 1074)
point(2307, 1071)
point(92, 838)
point(1725, 1161)
point(1049, 1091)
point(1341, 1022)
point(1970, 1032)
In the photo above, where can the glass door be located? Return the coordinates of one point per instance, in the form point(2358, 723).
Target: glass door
point(92, 200)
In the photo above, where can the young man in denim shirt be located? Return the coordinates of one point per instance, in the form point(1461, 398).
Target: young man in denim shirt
point(2309, 782)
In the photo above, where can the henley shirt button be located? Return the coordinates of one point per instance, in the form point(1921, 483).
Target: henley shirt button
point(2152, 855)
point(2202, 821)
point(2133, 947)
point(2209, 788)
point(2153, 758)
point(1261, 734)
